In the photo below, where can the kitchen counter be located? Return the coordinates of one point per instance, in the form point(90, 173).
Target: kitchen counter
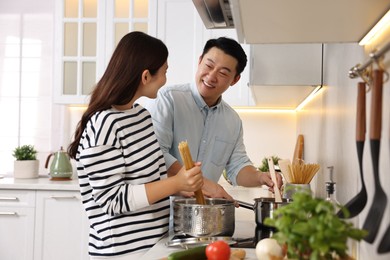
point(242, 229)
point(40, 183)
point(245, 221)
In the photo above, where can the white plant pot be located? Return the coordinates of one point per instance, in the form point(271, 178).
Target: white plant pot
point(27, 169)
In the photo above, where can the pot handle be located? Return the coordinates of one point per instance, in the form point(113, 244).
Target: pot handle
point(246, 205)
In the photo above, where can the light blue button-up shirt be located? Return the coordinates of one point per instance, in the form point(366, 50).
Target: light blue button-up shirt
point(214, 134)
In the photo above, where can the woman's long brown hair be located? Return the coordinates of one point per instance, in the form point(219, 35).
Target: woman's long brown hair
point(135, 52)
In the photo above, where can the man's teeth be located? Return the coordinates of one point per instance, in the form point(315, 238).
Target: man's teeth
point(207, 85)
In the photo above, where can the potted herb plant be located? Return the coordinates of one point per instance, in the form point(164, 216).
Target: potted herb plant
point(264, 164)
point(310, 229)
point(26, 164)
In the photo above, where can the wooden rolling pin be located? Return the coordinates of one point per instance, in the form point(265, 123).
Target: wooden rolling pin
point(298, 151)
point(188, 164)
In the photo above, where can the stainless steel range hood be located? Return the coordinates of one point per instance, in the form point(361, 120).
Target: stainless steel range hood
point(298, 21)
point(283, 75)
point(215, 13)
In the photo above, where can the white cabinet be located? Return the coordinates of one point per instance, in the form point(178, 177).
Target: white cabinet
point(42, 225)
point(86, 34)
point(17, 209)
point(182, 30)
point(61, 226)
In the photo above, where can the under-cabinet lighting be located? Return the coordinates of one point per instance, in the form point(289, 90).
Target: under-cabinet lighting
point(251, 109)
point(309, 98)
point(262, 110)
point(383, 23)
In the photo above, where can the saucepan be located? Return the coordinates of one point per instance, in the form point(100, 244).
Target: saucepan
point(264, 208)
point(215, 218)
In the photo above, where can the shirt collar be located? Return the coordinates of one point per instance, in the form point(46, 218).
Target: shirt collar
point(199, 100)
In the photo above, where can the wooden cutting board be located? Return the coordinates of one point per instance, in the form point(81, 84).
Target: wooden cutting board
point(298, 151)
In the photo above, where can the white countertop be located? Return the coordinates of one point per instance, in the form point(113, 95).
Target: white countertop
point(242, 229)
point(245, 222)
point(40, 183)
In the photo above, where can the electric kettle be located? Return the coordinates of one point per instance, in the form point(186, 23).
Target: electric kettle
point(60, 167)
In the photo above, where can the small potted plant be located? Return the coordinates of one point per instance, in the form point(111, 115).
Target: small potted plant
point(264, 164)
point(26, 165)
point(310, 229)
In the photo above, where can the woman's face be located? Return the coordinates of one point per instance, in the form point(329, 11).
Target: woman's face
point(157, 81)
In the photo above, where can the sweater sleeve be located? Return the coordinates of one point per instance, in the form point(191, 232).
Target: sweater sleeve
point(104, 166)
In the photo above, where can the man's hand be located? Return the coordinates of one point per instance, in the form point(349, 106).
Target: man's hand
point(214, 190)
point(249, 176)
point(265, 178)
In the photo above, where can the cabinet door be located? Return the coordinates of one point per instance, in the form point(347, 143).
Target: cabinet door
point(86, 33)
point(180, 28)
point(79, 34)
point(61, 227)
point(17, 224)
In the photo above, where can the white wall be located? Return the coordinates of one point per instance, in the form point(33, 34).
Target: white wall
point(269, 133)
point(328, 124)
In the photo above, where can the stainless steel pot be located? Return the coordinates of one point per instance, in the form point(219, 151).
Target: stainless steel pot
point(216, 218)
point(263, 208)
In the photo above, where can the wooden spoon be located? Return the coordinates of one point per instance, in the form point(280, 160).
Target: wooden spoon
point(284, 166)
point(278, 196)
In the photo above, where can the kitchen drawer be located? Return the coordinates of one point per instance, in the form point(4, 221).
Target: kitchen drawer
point(17, 198)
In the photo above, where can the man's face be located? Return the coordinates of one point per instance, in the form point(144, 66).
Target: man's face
point(216, 72)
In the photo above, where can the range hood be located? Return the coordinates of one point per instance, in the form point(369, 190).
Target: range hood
point(283, 75)
point(215, 13)
point(298, 21)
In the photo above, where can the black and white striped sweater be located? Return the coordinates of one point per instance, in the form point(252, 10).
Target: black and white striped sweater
point(118, 153)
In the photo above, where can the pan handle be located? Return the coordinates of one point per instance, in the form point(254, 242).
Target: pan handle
point(246, 205)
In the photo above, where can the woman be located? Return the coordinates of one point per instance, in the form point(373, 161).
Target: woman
point(121, 169)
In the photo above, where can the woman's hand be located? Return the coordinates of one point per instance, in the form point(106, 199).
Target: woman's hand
point(189, 180)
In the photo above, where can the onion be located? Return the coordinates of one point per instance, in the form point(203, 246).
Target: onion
point(269, 249)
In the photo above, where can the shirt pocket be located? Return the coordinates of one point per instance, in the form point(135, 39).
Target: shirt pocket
point(221, 152)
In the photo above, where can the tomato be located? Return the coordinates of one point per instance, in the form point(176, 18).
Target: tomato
point(218, 250)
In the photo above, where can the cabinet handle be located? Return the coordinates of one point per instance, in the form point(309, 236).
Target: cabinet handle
point(63, 197)
point(8, 213)
point(9, 198)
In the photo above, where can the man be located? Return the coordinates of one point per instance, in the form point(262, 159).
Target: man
point(196, 113)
